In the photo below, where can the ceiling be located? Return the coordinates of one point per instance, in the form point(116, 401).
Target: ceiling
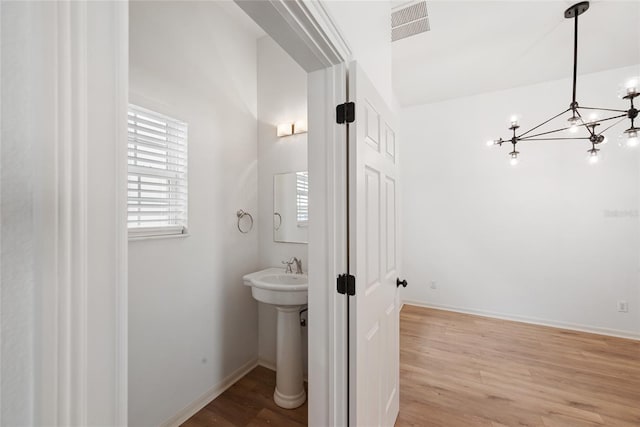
point(482, 46)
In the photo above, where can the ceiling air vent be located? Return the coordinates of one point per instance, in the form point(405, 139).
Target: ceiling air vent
point(408, 20)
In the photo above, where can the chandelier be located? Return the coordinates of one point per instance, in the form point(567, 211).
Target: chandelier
point(592, 127)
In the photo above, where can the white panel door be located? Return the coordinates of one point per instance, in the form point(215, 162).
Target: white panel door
point(374, 322)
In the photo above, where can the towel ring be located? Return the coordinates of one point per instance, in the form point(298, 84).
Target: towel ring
point(241, 214)
point(276, 214)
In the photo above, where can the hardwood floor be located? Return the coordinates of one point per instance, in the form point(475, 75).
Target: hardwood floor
point(249, 403)
point(464, 370)
point(459, 370)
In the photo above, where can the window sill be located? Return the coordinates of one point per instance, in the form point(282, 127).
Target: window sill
point(156, 237)
point(157, 233)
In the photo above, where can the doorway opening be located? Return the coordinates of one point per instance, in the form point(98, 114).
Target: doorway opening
point(248, 94)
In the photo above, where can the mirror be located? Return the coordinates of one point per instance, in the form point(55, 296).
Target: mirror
point(291, 207)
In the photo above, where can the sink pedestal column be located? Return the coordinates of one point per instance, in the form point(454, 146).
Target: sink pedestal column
point(289, 381)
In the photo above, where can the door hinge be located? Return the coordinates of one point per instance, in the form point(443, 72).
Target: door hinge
point(346, 113)
point(346, 284)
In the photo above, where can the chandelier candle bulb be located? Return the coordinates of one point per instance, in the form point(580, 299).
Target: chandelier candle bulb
point(632, 138)
point(513, 158)
point(573, 124)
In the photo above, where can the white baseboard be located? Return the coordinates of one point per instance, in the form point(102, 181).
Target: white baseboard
point(272, 366)
point(531, 320)
point(267, 364)
point(215, 391)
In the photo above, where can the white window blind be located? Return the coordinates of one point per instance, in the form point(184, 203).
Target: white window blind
point(157, 183)
point(302, 197)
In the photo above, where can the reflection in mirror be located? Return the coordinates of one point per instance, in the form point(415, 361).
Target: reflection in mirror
point(291, 207)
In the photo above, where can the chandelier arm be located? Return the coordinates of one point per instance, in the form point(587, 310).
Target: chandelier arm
point(575, 59)
point(591, 131)
point(548, 132)
point(566, 128)
point(601, 109)
point(543, 123)
point(616, 123)
point(621, 116)
point(555, 139)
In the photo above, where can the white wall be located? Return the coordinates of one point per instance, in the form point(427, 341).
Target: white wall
point(282, 98)
point(537, 241)
point(192, 321)
point(366, 25)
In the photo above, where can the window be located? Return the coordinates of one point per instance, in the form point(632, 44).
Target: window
point(302, 198)
point(157, 183)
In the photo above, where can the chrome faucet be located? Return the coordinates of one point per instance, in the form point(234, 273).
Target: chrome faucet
point(289, 269)
point(288, 264)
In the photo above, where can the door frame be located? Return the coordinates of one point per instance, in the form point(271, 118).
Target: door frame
point(74, 90)
point(307, 32)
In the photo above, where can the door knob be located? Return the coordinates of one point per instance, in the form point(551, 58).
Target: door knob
point(401, 282)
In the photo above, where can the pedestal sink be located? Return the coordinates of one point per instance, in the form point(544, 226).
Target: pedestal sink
point(288, 293)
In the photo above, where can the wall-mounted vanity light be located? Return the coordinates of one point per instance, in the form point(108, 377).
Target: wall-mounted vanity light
point(287, 129)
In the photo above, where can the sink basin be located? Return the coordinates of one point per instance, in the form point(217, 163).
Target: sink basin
point(274, 286)
point(286, 279)
point(288, 293)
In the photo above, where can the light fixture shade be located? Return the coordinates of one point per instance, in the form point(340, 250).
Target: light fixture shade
point(300, 126)
point(284, 129)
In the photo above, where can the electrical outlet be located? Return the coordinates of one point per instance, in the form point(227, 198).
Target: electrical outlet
point(623, 306)
point(434, 285)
